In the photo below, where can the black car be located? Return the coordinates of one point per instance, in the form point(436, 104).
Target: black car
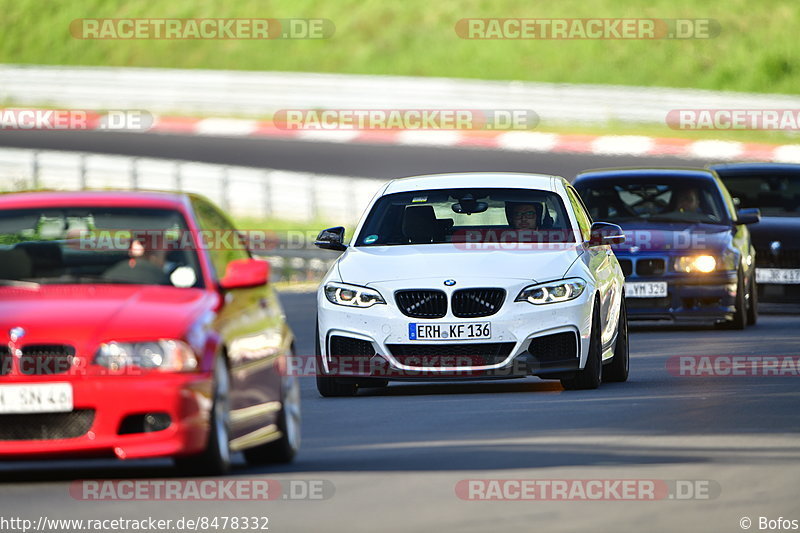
point(774, 188)
point(687, 256)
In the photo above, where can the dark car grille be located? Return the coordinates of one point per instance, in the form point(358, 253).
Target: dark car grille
point(46, 426)
point(438, 355)
point(648, 303)
point(471, 303)
point(5, 360)
point(556, 347)
point(46, 359)
point(349, 346)
point(785, 259)
point(649, 267)
point(627, 266)
point(419, 303)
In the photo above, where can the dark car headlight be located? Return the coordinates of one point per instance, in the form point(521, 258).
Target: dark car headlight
point(561, 290)
point(352, 295)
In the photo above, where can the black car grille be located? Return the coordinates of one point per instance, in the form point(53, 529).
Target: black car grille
point(784, 259)
point(471, 303)
point(46, 359)
point(627, 266)
point(439, 355)
point(649, 267)
point(5, 360)
point(420, 303)
point(46, 426)
point(348, 346)
point(556, 347)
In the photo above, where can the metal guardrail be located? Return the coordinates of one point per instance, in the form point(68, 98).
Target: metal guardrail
point(247, 93)
point(240, 191)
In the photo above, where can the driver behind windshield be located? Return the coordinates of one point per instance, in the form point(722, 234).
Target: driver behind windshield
point(144, 266)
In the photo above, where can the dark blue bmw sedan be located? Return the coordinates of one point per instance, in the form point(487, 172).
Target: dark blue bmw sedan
point(687, 257)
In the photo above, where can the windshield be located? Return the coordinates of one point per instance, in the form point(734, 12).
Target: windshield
point(96, 245)
point(663, 200)
point(775, 193)
point(466, 215)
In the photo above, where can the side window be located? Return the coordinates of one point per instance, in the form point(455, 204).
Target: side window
point(224, 243)
point(584, 220)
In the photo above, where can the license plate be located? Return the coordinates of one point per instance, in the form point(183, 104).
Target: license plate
point(646, 289)
point(783, 276)
point(36, 398)
point(447, 332)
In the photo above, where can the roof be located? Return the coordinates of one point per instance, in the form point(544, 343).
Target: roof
point(746, 168)
point(647, 172)
point(509, 180)
point(144, 199)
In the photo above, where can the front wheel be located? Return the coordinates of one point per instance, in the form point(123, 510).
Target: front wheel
point(590, 376)
point(285, 448)
point(739, 320)
point(617, 369)
point(216, 458)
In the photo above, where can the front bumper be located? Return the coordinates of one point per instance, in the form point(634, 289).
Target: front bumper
point(524, 329)
point(691, 299)
point(186, 398)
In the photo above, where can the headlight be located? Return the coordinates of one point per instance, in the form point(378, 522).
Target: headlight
point(696, 263)
point(165, 355)
point(352, 295)
point(552, 292)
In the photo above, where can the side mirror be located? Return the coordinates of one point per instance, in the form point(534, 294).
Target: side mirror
point(331, 239)
point(748, 216)
point(604, 233)
point(244, 273)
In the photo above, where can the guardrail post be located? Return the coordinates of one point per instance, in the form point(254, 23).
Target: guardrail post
point(35, 170)
point(178, 177)
point(225, 183)
point(82, 169)
point(267, 194)
point(135, 173)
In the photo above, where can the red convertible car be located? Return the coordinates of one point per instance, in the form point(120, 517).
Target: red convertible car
point(129, 329)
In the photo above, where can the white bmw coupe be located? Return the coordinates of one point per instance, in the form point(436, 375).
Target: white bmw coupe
point(472, 276)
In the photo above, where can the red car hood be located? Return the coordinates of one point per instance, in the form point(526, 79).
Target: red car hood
point(86, 315)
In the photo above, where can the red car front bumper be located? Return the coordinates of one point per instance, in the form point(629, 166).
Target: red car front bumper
point(186, 398)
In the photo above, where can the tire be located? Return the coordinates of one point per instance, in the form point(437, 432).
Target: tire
point(285, 448)
point(739, 320)
point(617, 369)
point(328, 386)
point(752, 304)
point(215, 460)
point(590, 376)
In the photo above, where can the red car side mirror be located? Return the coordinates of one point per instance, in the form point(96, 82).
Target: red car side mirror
point(244, 273)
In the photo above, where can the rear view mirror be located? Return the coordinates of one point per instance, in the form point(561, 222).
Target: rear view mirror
point(748, 216)
point(244, 273)
point(331, 239)
point(604, 233)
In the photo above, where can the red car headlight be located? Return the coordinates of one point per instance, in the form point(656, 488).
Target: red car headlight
point(165, 355)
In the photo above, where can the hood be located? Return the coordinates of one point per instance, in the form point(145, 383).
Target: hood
point(86, 315)
point(667, 237)
point(365, 265)
point(770, 229)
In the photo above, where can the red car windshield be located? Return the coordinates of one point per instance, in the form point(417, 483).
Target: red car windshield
point(64, 245)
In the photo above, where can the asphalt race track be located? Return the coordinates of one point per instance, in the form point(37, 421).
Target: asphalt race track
point(395, 455)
